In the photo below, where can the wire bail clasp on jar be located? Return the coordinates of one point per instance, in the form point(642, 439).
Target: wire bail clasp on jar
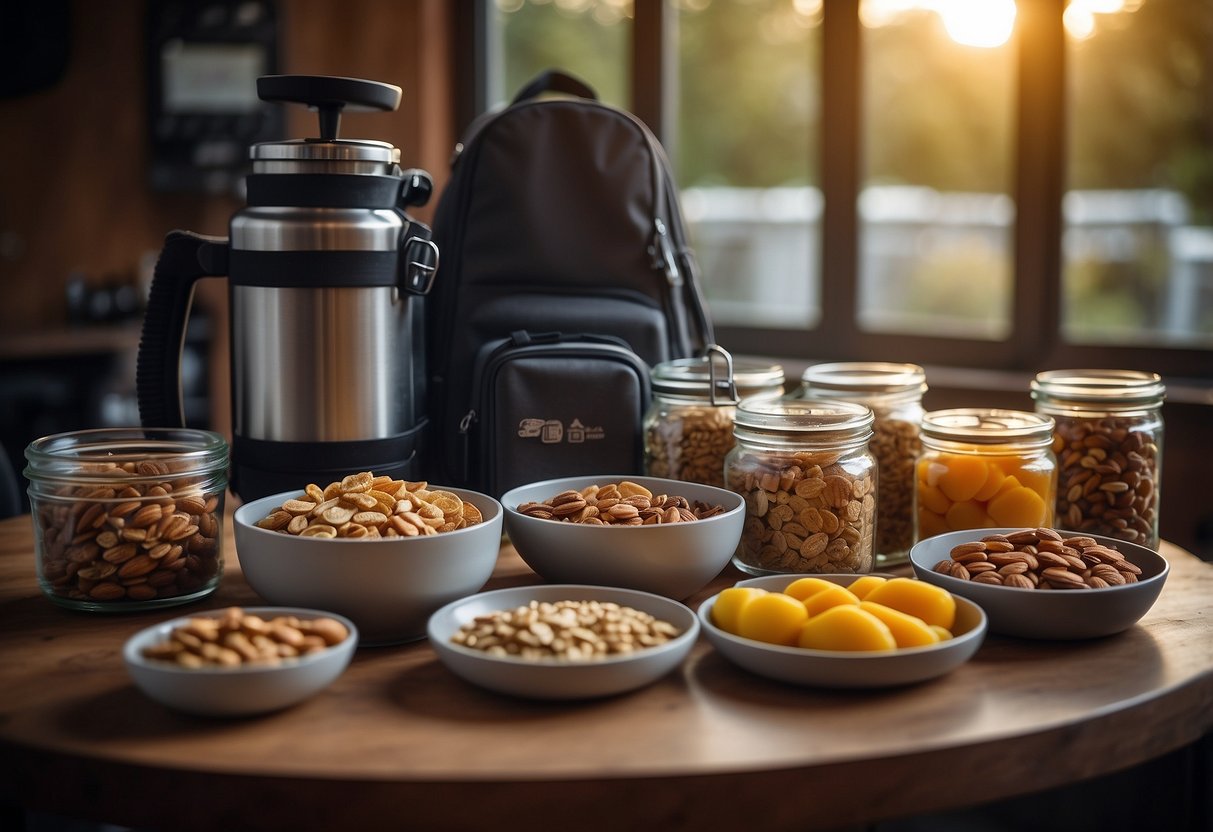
point(721, 391)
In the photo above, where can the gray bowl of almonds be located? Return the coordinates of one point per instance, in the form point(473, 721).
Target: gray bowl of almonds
point(646, 533)
point(1045, 583)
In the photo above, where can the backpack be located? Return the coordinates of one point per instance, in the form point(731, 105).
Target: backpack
point(565, 276)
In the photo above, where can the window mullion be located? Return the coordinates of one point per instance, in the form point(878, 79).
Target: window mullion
point(839, 165)
point(1040, 148)
point(654, 54)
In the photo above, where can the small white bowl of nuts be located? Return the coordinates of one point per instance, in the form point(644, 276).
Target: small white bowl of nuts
point(314, 548)
point(240, 661)
point(647, 533)
point(1045, 583)
point(563, 641)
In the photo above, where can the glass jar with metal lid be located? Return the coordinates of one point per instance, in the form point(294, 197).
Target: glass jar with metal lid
point(809, 483)
point(688, 429)
point(984, 468)
point(894, 394)
point(1108, 440)
point(127, 518)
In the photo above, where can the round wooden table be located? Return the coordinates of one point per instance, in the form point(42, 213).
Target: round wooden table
point(398, 742)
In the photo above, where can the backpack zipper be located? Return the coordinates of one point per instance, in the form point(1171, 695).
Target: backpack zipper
point(663, 254)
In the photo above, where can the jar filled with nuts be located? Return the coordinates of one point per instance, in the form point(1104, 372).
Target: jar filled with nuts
point(127, 518)
point(688, 429)
point(984, 468)
point(808, 479)
point(1108, 441)
point(894, 393)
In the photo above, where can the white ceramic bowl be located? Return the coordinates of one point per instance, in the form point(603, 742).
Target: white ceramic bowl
point(673, 560)
point(241, 691)
point(388, 587)
point(553, 679)
point(1050, 614)
point(845, 669)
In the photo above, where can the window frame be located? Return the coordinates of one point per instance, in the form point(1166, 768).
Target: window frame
point(1035, 341)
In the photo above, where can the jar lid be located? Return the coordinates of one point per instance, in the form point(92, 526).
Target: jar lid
point(865, 377)
point(819, 420)
point(694, 377)
point(96, 454)
point(1099, 386)
point(988, 426)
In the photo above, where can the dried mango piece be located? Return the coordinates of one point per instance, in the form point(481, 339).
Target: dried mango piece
point(932, 604)
point(773, 618)
point(846, 627)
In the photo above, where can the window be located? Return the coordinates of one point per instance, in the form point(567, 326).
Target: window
point(1138, 208)
point(973, 183)
point(936, 214)
point(589, 39)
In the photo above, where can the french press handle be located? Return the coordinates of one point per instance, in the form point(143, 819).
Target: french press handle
point(185, 258)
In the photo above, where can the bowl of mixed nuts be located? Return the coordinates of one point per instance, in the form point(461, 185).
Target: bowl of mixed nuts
point(384, 553)
point(562, 641)
point(1045, 583)
point(240, 662)
point(647, 533)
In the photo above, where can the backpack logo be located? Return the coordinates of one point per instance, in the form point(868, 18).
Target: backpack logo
point(552, 431)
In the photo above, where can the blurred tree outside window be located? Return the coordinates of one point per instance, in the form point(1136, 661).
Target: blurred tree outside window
point(935, 207)
point(1138, 235)
point(748, 123)
point(588, 38)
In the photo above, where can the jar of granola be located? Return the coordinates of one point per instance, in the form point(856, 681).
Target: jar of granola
point(688, 429)
point(1108, 441)
point(894, 394)
point(984, 468)
point(809, 482)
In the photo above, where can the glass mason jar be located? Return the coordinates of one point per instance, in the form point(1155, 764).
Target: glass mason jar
point(984, 468)
point(1108, 441)
point(688, 428)
point(127, 518)
point(894, 393)
point(809, 483)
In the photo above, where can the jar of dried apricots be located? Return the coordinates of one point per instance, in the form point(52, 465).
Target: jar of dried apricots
point(809, 483)
point(688, 429)
point(894, 394)
point(984, 468)
point(1108, 441)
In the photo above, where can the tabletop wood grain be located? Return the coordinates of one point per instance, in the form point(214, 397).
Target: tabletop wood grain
point(399, 742)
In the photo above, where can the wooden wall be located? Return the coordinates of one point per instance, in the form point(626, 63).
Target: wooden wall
point(73, 193)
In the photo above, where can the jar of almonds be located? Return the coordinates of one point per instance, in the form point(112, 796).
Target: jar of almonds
point(894, 393)
point(1108, 441)
point(984, 468)
point(127, 518)
point(688, 429)
point(808, 479)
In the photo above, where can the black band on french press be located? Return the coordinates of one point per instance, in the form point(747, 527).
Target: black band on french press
point(313, 269)
point(323, 190)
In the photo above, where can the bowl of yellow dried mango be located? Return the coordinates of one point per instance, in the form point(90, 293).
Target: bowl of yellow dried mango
point(842, 631)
